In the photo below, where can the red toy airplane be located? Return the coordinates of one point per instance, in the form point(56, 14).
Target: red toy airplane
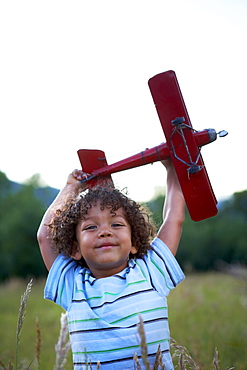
point(182, 146)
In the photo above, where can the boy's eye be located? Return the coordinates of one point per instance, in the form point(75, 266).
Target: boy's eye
point(116, 224)
point(90, 227)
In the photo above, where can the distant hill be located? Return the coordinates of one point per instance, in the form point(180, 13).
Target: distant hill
point(45, 194)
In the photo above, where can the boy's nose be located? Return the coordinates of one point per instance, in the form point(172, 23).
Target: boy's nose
point(104, 233)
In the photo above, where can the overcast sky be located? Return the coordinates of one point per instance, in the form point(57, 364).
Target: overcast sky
point(74, 76)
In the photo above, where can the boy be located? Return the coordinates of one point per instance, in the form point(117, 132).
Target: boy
point(105, 273)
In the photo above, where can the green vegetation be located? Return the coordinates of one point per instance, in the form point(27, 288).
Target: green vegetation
point(209, 311)
point(39, 312)
point(22, 207)
point(206, 311)
point(203, 245)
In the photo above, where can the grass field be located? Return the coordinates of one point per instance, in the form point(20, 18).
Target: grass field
point(206, 311)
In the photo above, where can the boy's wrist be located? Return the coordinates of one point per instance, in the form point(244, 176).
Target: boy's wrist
point(75, 187)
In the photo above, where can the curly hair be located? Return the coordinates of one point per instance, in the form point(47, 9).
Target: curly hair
point(63, 225)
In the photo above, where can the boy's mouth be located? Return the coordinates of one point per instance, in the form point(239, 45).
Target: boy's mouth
point(106, 245)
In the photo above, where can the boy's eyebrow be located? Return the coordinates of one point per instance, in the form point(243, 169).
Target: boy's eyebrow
point(95, 217)
point(88, 218)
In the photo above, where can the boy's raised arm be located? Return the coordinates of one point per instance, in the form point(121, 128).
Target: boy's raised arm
point(73, 186)
point(173, 212)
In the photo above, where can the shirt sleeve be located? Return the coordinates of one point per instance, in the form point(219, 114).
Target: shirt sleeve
point(60, 282)
point(164, 270)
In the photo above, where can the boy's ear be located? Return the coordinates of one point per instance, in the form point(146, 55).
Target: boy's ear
point(133, 250)
point(76, 253)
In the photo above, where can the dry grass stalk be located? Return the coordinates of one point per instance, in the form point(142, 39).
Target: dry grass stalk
point(38, 342)
point(63, 345)
point(181, 362)
point(3, 366)
point(90, 364)
point(141, 331)
point(21, 317)
point(10, 366)
point(216, 359)
point(184, 357)
point(136, 361)
point(158, 363)
point(86, 359)
point(158, 360)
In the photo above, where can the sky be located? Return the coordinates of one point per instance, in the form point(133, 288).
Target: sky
point(74, 75)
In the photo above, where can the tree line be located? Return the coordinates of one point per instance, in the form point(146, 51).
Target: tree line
point(203, 244)
point(208, 244)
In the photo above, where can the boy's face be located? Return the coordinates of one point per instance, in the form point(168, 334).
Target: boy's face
point(104, 241)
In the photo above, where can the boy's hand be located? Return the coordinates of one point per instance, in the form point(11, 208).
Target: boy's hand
point(75, 179)
point(77, 175)
point(167, 163)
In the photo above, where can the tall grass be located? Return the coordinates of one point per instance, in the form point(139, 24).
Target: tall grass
point(206, 311)
point(42, 317)
point(209, 311)
point(20, 320)
point(63, 345)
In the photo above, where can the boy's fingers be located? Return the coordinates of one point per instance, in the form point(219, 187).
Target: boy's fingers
point(80, 175)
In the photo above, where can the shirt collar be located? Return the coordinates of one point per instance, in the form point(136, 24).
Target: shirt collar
point(122, 274)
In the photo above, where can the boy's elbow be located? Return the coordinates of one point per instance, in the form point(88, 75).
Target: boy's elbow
point(42, 236)
point(46, 251)
point(39, 235)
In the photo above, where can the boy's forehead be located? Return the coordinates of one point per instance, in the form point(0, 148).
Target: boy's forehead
point(96, 213)
point(101, 207)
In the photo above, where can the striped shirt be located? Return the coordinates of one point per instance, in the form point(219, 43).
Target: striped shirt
point(103, 314)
